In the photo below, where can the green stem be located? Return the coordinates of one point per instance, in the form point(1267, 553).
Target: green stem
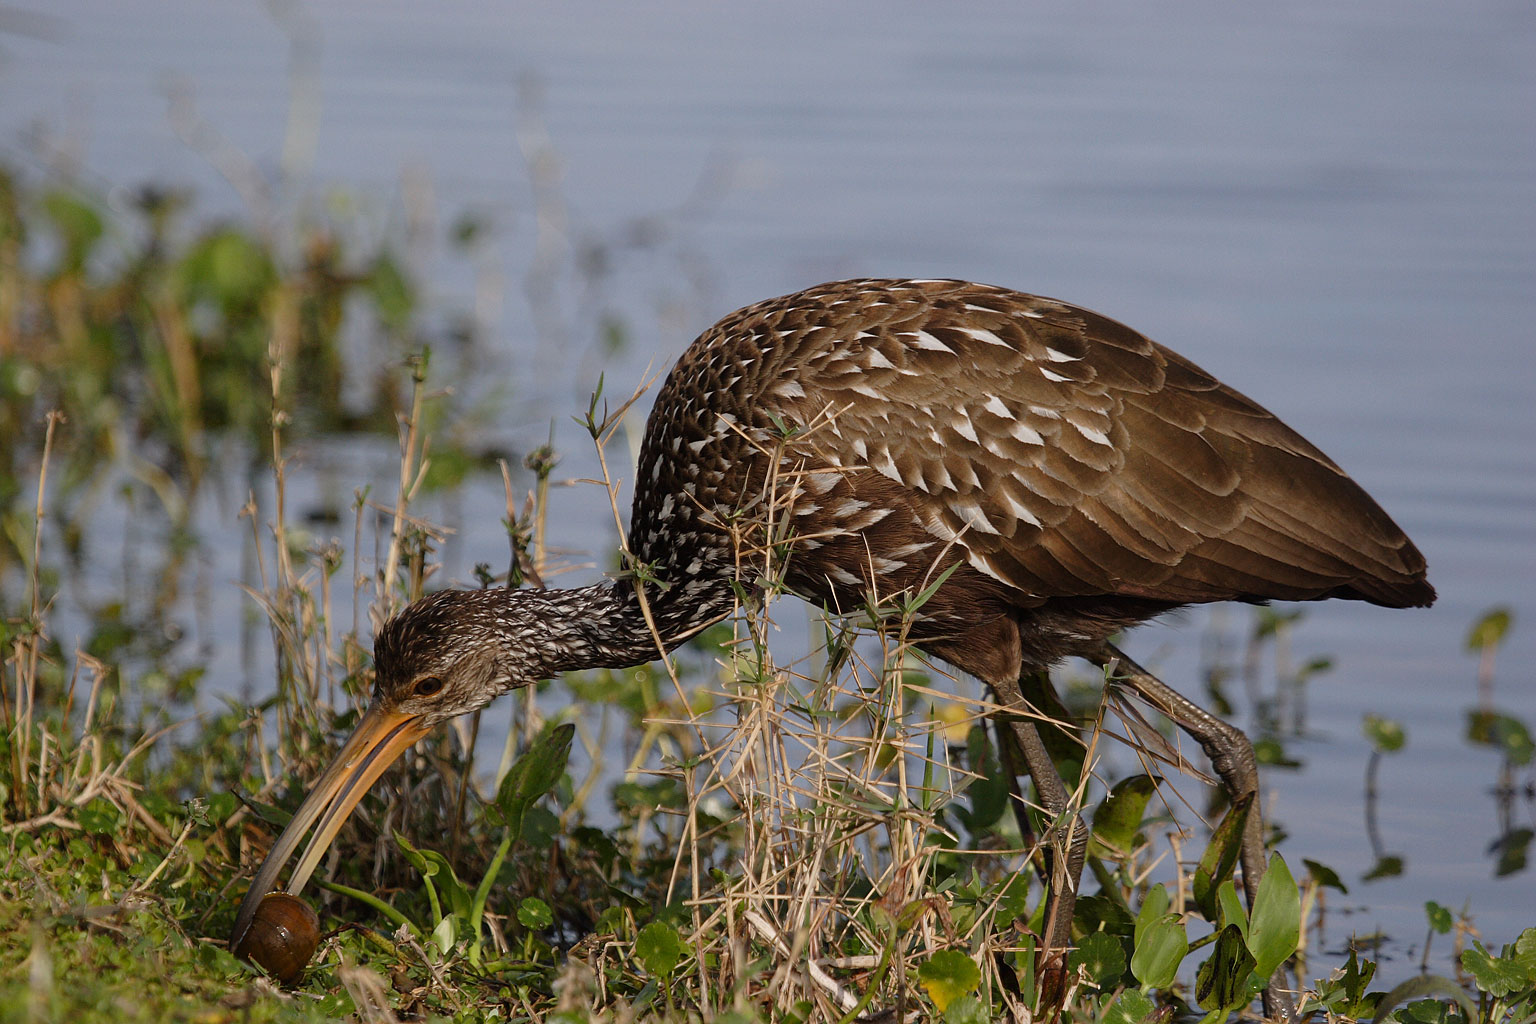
point(371, 900)
point(482, 893)
point(874, 982)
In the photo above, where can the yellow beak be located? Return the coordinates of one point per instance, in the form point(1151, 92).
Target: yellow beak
point(381, 737)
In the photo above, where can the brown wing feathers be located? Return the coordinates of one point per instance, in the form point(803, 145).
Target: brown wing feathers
point(1150, 478)
point(1079, 473)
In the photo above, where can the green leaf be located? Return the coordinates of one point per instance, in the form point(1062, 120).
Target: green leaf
point(1388, 866)
point(1129, 1007)
point(1118, 818)
point(1324, 875)
point(988, 795)
point(1490, 629)
point(534, 914)
point(1013, 897)
point(1221, 984)
point(1102, 956)
point(1524, 952)
point(1275, 926)
point(1440, 919)
point(1220, 856)
point(1161, 943)
point(1429, 1011)
point(444, 935)
point(79, 226)
point(532, 775)
point(967, 1009)
point(1153, 908)
point(1357, 977)
point(948, 975)
point(393, 296)
point(659, 948)
point(435, 870)
point(1386, 734)
point(1099, 913)
point(912, 606)
point(1513, 971)
point(1502, 732)
point(1231, 908)
point(100, 817)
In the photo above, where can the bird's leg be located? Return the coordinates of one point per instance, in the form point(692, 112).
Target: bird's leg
point(1012, 762)
point(1068, 845)
point(1014, 767)
point(1227, 746)
point(1231, 754)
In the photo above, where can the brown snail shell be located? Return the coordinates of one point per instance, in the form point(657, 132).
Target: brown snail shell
point(282, 936)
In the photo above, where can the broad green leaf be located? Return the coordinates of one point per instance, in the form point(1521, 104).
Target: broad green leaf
point(1440, 919)
point(659, 948)
point(1013, 898)
point(1490, 629)
point(1160, 947)
point(948, 975)
point(1275, 927)
point(79, 226)
point(1231, 907)
point(1324, 875)
point(1389, 866)
point(533, 913)
point(1099, 913)
point(1357, 978)
point(1514, 851)
point(1513, 971)
point(967, 1009)
point(988, 795)
point(1502, 732)
point(1429, 1011)
point(1524, 952)
point(1129, 1007)
point(1221, 984)
point(1118, 818)
point(1102, 956)
point(445, 934)
point(99, 817)
point(1153, 908)
point(532, 775)
point(1220, 856)
point(435, 869)
point(1386, 734)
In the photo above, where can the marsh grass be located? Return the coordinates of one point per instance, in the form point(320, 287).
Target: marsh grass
point(781, 822)
point(817, 835)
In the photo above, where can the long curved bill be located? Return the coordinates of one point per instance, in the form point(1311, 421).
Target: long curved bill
point(381, 737)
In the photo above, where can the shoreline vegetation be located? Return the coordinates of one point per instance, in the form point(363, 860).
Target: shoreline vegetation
point(737, 833)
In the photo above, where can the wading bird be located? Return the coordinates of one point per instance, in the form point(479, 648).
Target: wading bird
point(1061, 476)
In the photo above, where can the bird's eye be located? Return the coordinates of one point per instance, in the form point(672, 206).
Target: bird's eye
point(427, 687)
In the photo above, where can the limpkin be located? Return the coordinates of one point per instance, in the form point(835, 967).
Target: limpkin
point(1070, 476)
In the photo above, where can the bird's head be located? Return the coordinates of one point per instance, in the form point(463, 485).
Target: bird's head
point(456, 651)
point(445, 655)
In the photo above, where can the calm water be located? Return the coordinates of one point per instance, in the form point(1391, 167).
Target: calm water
point(1332, 207)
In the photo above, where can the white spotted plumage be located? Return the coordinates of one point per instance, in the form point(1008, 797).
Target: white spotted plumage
point(1052, 452)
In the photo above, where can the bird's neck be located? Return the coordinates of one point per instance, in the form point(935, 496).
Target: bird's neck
point(613, 625)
